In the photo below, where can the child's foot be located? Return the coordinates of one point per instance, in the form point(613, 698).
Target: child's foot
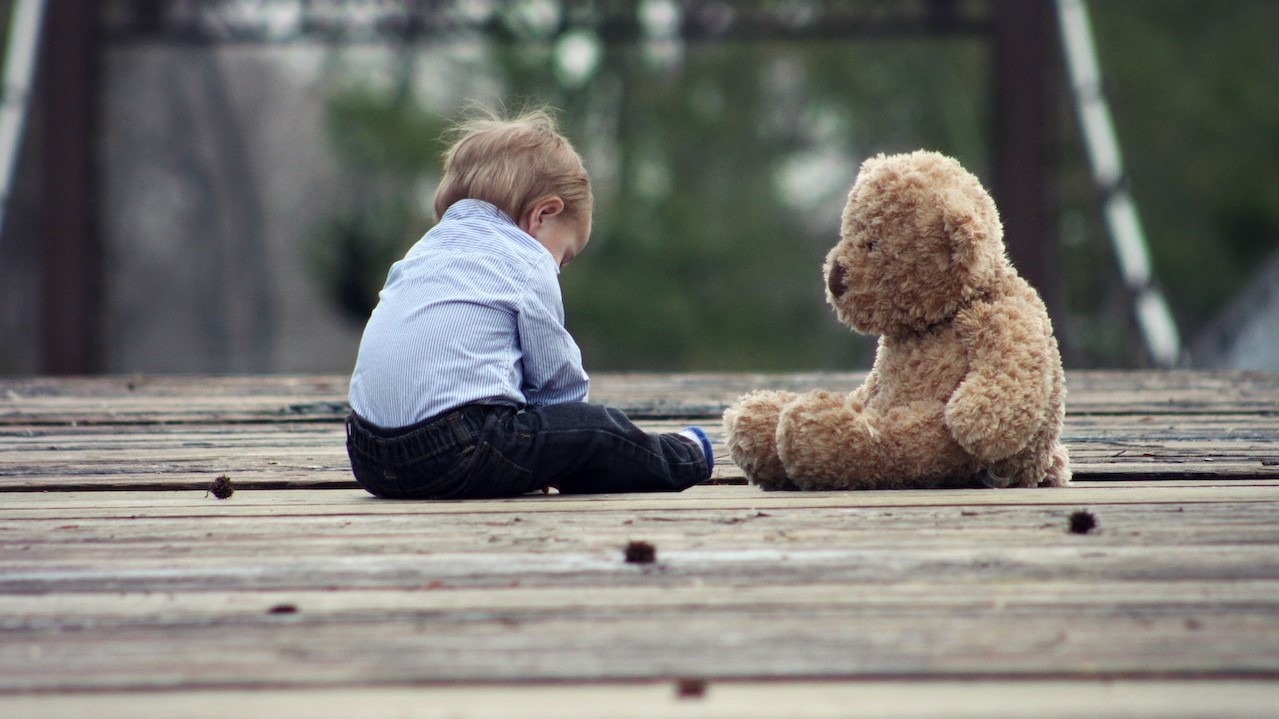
point(696, 434)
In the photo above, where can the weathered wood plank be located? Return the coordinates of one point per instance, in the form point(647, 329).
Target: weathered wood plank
point(280, 474)
point(154, 399)
point(775, 557)
point(284, 398)
point(173, 590)
point(157, 600)
point(1256, 426)
point(174, 552)
point(975, 699)
point(519, 635)
point(271, 432)
point(160, 609)
point(312, 455)
point(425, 647)
point(1090, 392)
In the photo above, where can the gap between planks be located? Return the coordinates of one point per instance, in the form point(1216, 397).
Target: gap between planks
point(17, 505)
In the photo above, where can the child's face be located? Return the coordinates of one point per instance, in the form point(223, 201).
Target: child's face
point(577, 233)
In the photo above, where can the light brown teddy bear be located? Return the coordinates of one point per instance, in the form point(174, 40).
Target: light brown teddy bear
point(967, 385)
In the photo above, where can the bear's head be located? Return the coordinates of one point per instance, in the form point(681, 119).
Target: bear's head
point(920, 237)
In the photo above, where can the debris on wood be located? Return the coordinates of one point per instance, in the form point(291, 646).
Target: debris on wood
point(1082, 522)
point(640, 553)
point(221, 487)
point(690, 688)
point(283, 609)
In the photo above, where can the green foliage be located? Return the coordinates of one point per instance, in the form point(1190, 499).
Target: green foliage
point(1193, 88)
point(353, 249)
point(706, 254)
point(385, 145)
point(376, 134)
point(698, 260)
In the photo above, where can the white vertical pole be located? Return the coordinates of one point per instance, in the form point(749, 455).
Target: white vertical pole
point(1158, 328)
point(19, 66)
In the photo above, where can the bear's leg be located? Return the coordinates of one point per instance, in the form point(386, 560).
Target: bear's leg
point(839, 444)
point(751, 424)
point(1059, 471)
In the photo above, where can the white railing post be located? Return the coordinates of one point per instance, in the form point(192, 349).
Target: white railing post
point(19, 69)
point(1158, 328)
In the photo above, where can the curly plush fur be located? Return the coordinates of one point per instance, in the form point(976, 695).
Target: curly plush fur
point(967, 385)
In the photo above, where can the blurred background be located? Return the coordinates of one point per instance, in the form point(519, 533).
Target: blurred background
point(221, 185)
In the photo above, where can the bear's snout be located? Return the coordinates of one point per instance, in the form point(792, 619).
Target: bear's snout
point(837, 280)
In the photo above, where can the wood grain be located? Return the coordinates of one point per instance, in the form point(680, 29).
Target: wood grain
point(127, 590)
point(969, 699)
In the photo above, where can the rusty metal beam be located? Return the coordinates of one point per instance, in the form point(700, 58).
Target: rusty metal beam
point(1025, 92)
point(221, 22)
point(70, 246)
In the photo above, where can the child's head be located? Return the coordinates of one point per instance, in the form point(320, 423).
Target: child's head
point(513, 163)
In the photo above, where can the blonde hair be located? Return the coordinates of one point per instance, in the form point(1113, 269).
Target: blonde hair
point(512, 163)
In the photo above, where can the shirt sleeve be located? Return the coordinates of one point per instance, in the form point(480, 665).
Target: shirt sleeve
point(552, 361)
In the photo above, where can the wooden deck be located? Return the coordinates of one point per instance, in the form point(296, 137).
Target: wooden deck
point(128, 590)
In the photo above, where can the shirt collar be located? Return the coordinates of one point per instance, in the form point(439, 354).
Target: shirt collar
point(470, 208)
point(475, 208)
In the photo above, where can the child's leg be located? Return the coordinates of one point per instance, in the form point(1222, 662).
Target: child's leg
point(588, 448)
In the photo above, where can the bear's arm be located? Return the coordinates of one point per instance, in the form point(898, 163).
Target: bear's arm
point(1000, 404)
point(861, 396)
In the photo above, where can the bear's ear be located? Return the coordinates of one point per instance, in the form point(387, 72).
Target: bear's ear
point(968, 226)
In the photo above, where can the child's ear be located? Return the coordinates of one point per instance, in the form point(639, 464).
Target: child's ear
point(541, 211)
point(552, 206)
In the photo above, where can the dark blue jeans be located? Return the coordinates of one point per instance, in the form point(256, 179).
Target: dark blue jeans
point(497, 451)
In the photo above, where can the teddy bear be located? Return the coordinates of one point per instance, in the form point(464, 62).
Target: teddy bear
point(967, 386)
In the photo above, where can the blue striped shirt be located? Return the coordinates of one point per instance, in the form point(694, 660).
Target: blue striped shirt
point(473, 313)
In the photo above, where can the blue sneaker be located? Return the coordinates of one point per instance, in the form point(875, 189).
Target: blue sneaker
point(696, 433)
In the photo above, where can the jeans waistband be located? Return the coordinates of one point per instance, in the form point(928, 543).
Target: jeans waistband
point(419, 441)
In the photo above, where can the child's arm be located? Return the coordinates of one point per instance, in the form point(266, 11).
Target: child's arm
point(552, 362)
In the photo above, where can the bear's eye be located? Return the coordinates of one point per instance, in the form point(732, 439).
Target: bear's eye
point(870, 245)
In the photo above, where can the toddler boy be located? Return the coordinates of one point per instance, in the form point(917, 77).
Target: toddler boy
point(467, 383)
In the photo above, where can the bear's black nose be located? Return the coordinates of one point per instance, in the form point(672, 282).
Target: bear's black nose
point(837, 280)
